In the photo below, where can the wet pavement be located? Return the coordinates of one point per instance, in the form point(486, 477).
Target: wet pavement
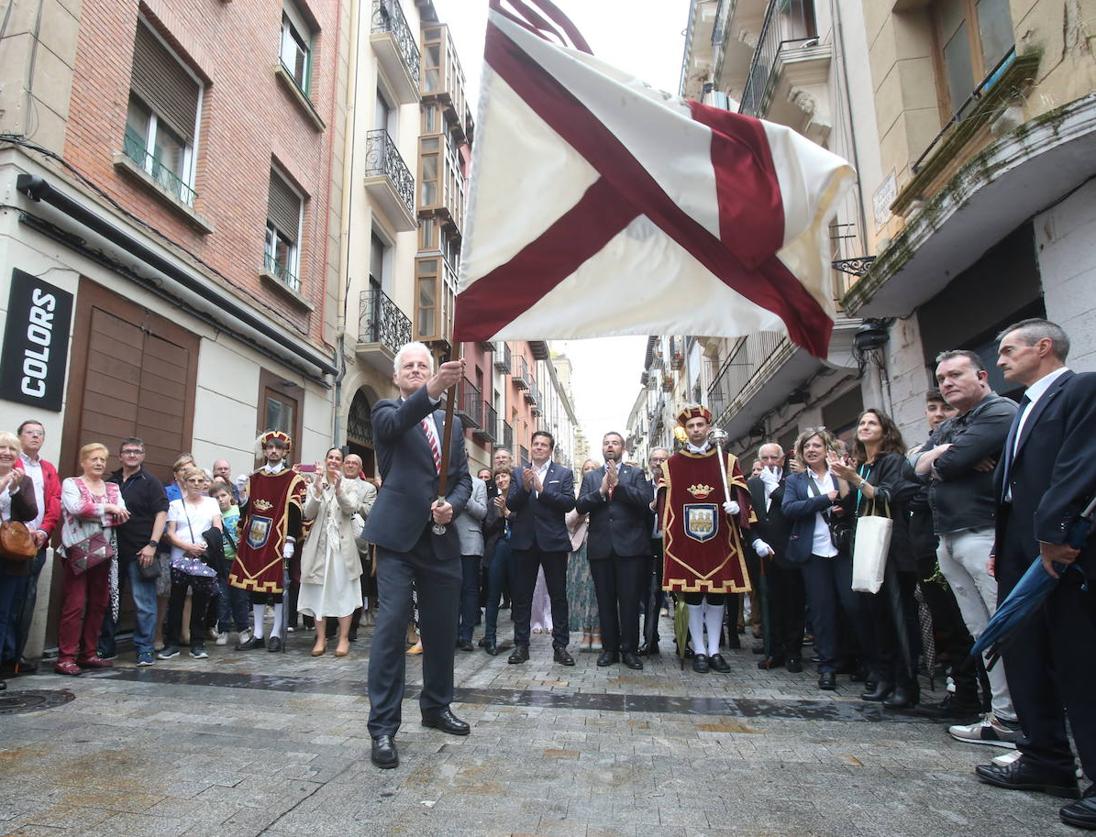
point(252, 742)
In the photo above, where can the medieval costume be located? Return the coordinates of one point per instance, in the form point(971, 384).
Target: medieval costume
point(703, 558)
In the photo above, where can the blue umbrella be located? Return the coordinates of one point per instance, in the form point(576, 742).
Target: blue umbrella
point(1029, 594)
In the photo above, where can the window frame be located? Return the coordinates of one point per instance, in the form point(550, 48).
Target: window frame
point(272, 236)
point(295, 32)
point(948, 109)
point(285, 390)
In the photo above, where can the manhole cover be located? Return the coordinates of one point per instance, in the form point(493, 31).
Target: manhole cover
point(32, 700)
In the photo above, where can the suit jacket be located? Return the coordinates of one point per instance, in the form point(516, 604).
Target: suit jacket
point(800, 507)
point(1052, 475)
point(410, 480)
point(538, 521)
point(771, 526)
point(621, 524)
point(470, 524)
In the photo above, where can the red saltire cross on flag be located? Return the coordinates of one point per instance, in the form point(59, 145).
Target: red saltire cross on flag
point(601, 206)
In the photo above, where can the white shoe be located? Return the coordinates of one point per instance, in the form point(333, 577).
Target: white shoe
point(245, 637)
point(213, 633)
point(990, 731)
point(222, 638)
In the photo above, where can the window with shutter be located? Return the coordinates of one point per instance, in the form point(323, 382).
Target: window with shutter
point(283, 225)
point(296, 46)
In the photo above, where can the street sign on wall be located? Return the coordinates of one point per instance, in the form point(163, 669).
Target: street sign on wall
point(36, 339)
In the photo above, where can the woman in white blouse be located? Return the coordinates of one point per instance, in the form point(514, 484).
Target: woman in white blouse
point(189, 519)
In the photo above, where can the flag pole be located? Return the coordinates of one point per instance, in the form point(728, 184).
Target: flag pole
point(446, 441)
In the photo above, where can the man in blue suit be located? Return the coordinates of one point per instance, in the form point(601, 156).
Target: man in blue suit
point(617, 497)
point(540, 495)
point(1044, 479)
point(408, 436)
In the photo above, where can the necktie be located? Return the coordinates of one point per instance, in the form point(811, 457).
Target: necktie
point(1010, 448)
point(432, 439)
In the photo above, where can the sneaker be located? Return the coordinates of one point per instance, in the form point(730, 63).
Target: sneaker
point(113, 655)
point(144, 658)
point(991, 730)
point(169, 652)
point(198, 652)
point(222, 638)
point(245, 637)
point(213, 634)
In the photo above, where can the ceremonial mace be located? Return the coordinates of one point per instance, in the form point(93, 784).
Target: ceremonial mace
point(446, 443)
point(719, 438)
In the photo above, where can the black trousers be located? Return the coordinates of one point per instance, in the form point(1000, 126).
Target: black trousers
point(200, 591)
point(437, 582)
point(651, 613)
point(618, 584)
point(1051, 665)
point(787, 608)
point(526, 563)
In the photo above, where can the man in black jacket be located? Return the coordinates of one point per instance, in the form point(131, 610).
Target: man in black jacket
point(1045, 478)
point(783, 588)
point(616, 496)
point(960, 471)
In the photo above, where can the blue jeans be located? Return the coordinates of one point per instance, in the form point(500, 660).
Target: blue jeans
point(10, 588)
point(499, 571)
point(22, 612)
point(144, 605)
point(233, 607)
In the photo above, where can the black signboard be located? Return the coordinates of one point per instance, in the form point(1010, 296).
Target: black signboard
point(36, 338)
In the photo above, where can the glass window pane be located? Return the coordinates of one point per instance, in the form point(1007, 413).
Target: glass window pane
point(169, 150)
point(952, 15)
point(995, 29)
point(957, 65)
point(137, 116)
point(278, 414)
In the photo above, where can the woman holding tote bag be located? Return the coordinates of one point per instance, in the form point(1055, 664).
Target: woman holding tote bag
point(880, 478)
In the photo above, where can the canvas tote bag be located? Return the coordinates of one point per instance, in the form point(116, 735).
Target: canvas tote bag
point(870, 547)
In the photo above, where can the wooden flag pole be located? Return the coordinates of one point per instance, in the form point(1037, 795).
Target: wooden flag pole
point(446, 442)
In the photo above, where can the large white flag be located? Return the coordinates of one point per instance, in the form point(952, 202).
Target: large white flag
point(601, 206)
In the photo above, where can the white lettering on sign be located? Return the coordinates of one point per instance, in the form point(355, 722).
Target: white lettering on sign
point(882, 199)
point(39, 332)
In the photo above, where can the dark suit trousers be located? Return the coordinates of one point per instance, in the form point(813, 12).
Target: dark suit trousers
point(437, 583)
point(618, 583)
point(523, 582)
point(653, 576)
point(828, 582)
point(787, 608)
point(1051, 666)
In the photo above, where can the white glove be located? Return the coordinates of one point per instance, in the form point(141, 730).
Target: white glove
point(762, 549)
point(287, 550)
point(730, 506)
point(770, 477)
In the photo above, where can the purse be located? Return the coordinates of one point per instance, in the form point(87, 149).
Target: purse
point(16, 541)
point(840, 529)
point(196, 567)
point(870, 548)
point(89, 553)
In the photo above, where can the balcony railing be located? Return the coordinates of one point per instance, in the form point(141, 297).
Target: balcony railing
point(787, 23)
point(740, 367)
point(503, 359)
point(488, 431)
point(134, 148)
point(469, 404)
point(382, 158)
point(380, 320)
point(282, 273)
point(388, 17)
point(532, 392)
point(520, 373)
point(506, 436)
point(523, 455)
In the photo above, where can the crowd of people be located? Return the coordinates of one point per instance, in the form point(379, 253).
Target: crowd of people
point(991, 487)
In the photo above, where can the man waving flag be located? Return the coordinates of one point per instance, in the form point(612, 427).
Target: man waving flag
point(601, 206)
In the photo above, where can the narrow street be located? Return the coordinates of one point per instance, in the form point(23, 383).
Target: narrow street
point(250, 743)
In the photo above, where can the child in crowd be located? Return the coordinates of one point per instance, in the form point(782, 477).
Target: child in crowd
point(233, 604)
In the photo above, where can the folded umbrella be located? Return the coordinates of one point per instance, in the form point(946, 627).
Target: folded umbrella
point(1029, 594)
point(681, 627)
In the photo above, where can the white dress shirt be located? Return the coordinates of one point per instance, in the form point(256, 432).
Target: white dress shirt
point(33, 469)
point(822, 544)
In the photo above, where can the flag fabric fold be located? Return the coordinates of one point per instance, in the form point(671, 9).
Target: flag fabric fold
point(600, 206)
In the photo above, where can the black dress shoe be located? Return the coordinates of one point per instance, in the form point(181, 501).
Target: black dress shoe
point(490, 647)
point(447, 722)
point(717, 663)
point(274, 644)
point(700, 663)
point(769, 663)
point(520, 654)
point(560, 655)
point(903, 697)
point(827, 681)
point(953, 708)
point(880, 693)
point(1019, 775)
point(251, 644)
point(1081, 814)
point(384, 754)
point(607, 658)
point(794, 665)
point(631, 660)
point(466, 645)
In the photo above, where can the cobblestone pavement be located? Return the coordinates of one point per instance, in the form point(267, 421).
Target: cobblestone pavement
point(251, 742)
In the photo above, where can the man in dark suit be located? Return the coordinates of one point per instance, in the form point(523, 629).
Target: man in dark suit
point(785, 595)
point(540, 495)
point(617, 498)
point(408, 436)
point(1045, 477)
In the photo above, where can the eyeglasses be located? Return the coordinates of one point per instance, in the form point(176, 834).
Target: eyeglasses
point(132, 452)
point(198, 481)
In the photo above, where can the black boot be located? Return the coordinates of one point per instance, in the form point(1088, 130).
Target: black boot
point(880, 693)
point(905, 695)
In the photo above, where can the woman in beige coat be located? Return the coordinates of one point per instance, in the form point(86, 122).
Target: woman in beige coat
point(330, 567)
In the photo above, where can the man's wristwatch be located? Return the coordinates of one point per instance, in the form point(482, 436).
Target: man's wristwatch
point(154, 543)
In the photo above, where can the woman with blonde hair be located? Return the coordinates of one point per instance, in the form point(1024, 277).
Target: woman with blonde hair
point(17, 504)
point(91, 508)
point(330, 565)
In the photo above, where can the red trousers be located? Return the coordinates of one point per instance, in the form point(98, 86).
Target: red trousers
point(85, 601)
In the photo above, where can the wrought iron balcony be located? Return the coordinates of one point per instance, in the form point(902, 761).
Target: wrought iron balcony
point(134, 148)
point(469, 404)
point(396, 49)
point(532, 394)
point(506, 436)
point(503, 359)
point(788, 25)
point(281, 272)
point(743, 363)
point(520, 373)
point(523, 455)
point(388, 180)
point(382, 329)
point(489, 431)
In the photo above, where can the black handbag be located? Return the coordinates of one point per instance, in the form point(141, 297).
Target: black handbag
point(841, 530)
